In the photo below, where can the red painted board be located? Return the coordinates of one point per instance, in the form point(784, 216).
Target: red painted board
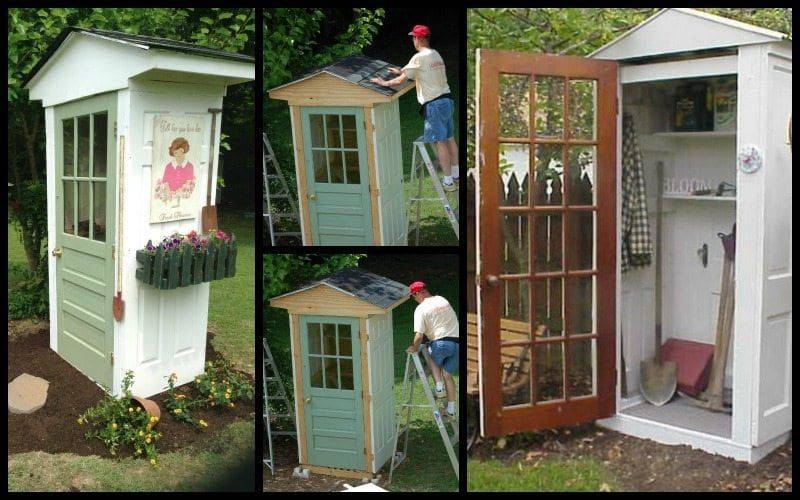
point(694, 363)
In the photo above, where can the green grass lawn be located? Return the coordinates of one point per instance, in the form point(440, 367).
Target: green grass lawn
point(204, 464)
point(427, 467)
point(542, 476)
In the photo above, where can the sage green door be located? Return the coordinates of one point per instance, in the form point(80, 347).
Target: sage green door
point(85, 152)
point(334, 412)
point(337, 179)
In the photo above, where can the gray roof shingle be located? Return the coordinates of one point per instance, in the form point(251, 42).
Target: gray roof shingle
point(359, 70)
point(367, 286)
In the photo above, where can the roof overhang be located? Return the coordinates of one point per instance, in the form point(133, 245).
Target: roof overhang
point(278, 301)
point(673, 31)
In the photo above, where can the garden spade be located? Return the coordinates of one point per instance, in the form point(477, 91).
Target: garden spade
point(209, 213)
point(117, 304)
point(658, 380)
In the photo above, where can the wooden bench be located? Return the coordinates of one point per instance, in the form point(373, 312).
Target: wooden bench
point(515, 360)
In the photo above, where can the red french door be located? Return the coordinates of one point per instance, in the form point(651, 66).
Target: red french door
point(546, 225)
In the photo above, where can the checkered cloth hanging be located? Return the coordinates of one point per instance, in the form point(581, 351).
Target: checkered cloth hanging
point(637, 248)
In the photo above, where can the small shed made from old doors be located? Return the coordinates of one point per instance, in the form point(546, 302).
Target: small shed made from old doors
point(343, 370)
point(711, 101)
point(114, 104)
point(348, 153)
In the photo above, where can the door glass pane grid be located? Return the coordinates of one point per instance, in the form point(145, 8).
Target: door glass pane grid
point(330, 356)
point(84, 175)
point(334, 148)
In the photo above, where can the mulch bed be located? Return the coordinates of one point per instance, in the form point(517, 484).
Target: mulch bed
point(641, 464)
point(285, 456)
point(54, 429)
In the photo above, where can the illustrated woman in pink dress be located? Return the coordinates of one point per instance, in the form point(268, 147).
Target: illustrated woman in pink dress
point(179, 173)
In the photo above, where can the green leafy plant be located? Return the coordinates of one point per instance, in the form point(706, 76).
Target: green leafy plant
point(27, 293)
point(180, 405)
point(221, 385)
point(120, 422)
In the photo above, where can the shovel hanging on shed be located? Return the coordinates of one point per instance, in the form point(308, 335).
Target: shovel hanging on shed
point(209, 214)
point(117, 304)
point(658, 379)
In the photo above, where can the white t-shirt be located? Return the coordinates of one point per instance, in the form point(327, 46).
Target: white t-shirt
point(426, 68)
point(435, 318)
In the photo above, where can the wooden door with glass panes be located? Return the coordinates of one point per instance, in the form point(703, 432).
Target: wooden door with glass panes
point(85, 155)
point(546, 230)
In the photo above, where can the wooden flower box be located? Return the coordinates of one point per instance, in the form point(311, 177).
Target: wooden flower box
point(169, 269)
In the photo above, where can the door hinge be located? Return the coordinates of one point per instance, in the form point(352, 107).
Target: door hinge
point(111, 357)
point(115, 129)
point(617, 104)
point(113, 252)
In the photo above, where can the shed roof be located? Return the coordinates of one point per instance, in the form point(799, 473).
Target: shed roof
point(357, 70)
point(671, 31)
point(369, 287)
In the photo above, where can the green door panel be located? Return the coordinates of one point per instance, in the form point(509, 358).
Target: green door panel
point(334, 412)
point(337, 178)
point(85, 170)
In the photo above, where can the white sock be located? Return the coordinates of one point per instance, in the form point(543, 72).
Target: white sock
point(448, 179)
point(454, 170)
point(451, 407)
point(439, 386)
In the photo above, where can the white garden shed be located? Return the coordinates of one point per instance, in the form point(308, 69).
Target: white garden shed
point(118, 108)
point(560, 328)
point(672, 48)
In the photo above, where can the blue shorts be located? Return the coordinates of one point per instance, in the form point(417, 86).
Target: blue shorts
point(438, 120)
point(445, 354)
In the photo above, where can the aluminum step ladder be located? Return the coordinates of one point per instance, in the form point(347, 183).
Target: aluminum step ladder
point(404, 416)
point(283, 193)
point(420, 158)
point(272, 378)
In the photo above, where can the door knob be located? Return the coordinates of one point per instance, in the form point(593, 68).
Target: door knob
point(312, 196)
point(308, 400)
point(56, 253)
point(492, 280)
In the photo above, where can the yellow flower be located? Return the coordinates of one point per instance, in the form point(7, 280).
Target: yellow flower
point(203, 423)
point(138, 409)
point(80, 421)
point(147, 440)
point(154, 419)
point(213, 403)
point(197, 380)
point(141, 433)
point(130, 410)
point(114, 425)
point(178, 411)
point(231, 405)
point(138, 451)
point(153, 462)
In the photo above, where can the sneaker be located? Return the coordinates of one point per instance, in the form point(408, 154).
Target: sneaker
point(439, 394)
point(449, 187)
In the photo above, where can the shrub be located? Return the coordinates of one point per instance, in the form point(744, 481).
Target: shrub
point(27, 293)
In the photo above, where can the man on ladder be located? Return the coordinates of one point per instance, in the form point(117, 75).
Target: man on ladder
point(427, 70)
point(436, 321)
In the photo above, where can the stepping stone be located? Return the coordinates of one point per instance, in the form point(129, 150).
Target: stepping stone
point(27, 393)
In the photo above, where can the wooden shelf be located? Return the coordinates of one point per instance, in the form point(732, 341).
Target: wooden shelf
point(698, 198)
point(697, 135)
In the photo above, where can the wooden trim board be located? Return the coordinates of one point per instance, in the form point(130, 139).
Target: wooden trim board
point(300, 170)
point(366, 395)
point(297, 368)
point(330, 471)
point(373, 176)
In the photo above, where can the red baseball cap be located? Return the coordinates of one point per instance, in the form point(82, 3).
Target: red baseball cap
point(420, 31)
point(416, 287)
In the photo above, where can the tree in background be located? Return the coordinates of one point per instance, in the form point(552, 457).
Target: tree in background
point(573, 32)
point(284, 272)
point(30, 33)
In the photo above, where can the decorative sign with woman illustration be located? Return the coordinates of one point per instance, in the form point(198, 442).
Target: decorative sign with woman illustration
point(177, 143)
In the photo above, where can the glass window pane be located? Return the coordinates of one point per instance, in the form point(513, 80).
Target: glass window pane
point(329, 339)
point(514, 105)
point(315, 371)
point(345, 340)
point(549, 106)
point(83, 208)
point(549, 369)
point(514, 165)
point(581, 174)
point(548, 300)
point(516, 375)
point(69, 207)
point(314, 339)
point(582, 374)
point(515, 239)
point(349, 131)
point(83, 146)
point(515, 300)
point(346, 367)
point(99, 211)
point(317, 132)
point(331, 373)
point(332, 131)
point(320, 166)
point(548, 176)
point(100, 145)
point(68, 137)
point(352, 164)
point(547, 245)
point(336, 164)
point(580, 313)
point(582, 99)
point(581, 240)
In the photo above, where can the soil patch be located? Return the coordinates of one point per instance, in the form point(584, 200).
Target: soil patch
point(641, 464)
point(54, 429)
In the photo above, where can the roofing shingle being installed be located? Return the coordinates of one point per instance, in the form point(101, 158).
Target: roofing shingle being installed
point(367, 286)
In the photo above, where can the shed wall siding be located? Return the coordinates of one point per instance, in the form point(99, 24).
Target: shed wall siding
point(381, 363)
point(389, 163)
